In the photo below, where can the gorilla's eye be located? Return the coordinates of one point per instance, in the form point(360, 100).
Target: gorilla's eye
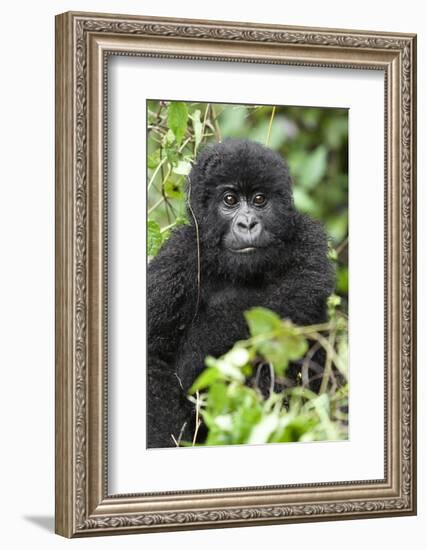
point(230, 199)
point(259, 199)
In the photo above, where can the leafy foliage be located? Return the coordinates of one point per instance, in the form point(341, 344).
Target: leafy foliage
point(235, 412)
point(154, 238)
point(177, 119)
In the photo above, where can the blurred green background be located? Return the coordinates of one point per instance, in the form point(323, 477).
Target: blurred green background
point(313, 140)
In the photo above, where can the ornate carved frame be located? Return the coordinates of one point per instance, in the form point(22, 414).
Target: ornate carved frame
point(83, 42)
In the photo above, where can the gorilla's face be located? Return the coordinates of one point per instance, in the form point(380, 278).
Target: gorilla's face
point(243, 205)
point(246, 214)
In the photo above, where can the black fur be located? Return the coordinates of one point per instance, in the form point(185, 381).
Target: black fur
point(188, 321)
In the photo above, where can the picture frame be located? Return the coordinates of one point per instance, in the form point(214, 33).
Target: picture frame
point(84, 42)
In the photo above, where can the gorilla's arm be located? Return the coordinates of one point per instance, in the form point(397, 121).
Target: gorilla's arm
point(171, 297)
point(302, 293)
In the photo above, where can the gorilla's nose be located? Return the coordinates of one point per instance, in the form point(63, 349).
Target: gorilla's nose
point(247, 223)
point(247, 229)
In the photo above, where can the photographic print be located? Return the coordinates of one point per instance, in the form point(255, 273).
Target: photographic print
point(247, 282)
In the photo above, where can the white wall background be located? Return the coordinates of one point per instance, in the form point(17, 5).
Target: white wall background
point(27, 273)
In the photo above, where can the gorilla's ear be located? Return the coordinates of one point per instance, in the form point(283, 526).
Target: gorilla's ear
point(208, 161)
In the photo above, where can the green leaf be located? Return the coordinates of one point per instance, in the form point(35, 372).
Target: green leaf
point(278, 134)
point(262, 431)
point(154, 239)
point(238, 356)
point(233, 122)
point(224, 422)
point(294, 429)
point(276, 353)
point(177, 119)
point(197, 127)
point(166, 233)
point(311, 116)
point(205, 379)
point(226, 369)
point(181, 220)
point(296, 344)
point(242, 396)
point(244, 420)
point(303, 201)
point(229, 370)
point(262, 321)
point(342, 365)
point(173, 190)
point(333, 302)
point(314, 168)
point(342, 280)
point(218, 401)
point(287, 345)
point(322, 406)
point(337, 226)
point(247, 370)
point(172, 155)
point(336, 131)
point(296, 159)
point(217, 436)
point(332, 253)
point(168, 138)
point(153, 159)
point(183, 168)
point(152, 117)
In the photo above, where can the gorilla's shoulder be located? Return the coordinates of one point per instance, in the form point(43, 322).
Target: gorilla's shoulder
point(310, 233)
point(178, 250)
point(310, 245)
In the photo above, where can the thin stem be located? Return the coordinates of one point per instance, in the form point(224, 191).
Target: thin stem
point(315, 328)
point(168, 208)
point(155, 205)
point(324, 342)
point(156, 171)
point(198, 421)
point(306, 362)
point(203, 129)
point(181, 148)
point(328, 364)
point(196, 226)
point(341, 246)
point(161, 163)
point(178, 441)
point(216, 125)
point(272, 379)
point(273, 112)
point(167, 227)
point(205, 117)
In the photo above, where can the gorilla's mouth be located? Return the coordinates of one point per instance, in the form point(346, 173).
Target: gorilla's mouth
point(245, 250)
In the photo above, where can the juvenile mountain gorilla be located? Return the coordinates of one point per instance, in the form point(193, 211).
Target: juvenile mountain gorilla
point(246, 246)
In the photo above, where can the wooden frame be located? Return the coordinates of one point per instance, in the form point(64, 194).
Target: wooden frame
point(83, 42)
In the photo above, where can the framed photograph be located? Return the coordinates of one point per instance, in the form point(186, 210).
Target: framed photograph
point(235, 274)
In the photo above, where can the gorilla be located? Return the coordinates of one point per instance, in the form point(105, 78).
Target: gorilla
point(246, 245)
